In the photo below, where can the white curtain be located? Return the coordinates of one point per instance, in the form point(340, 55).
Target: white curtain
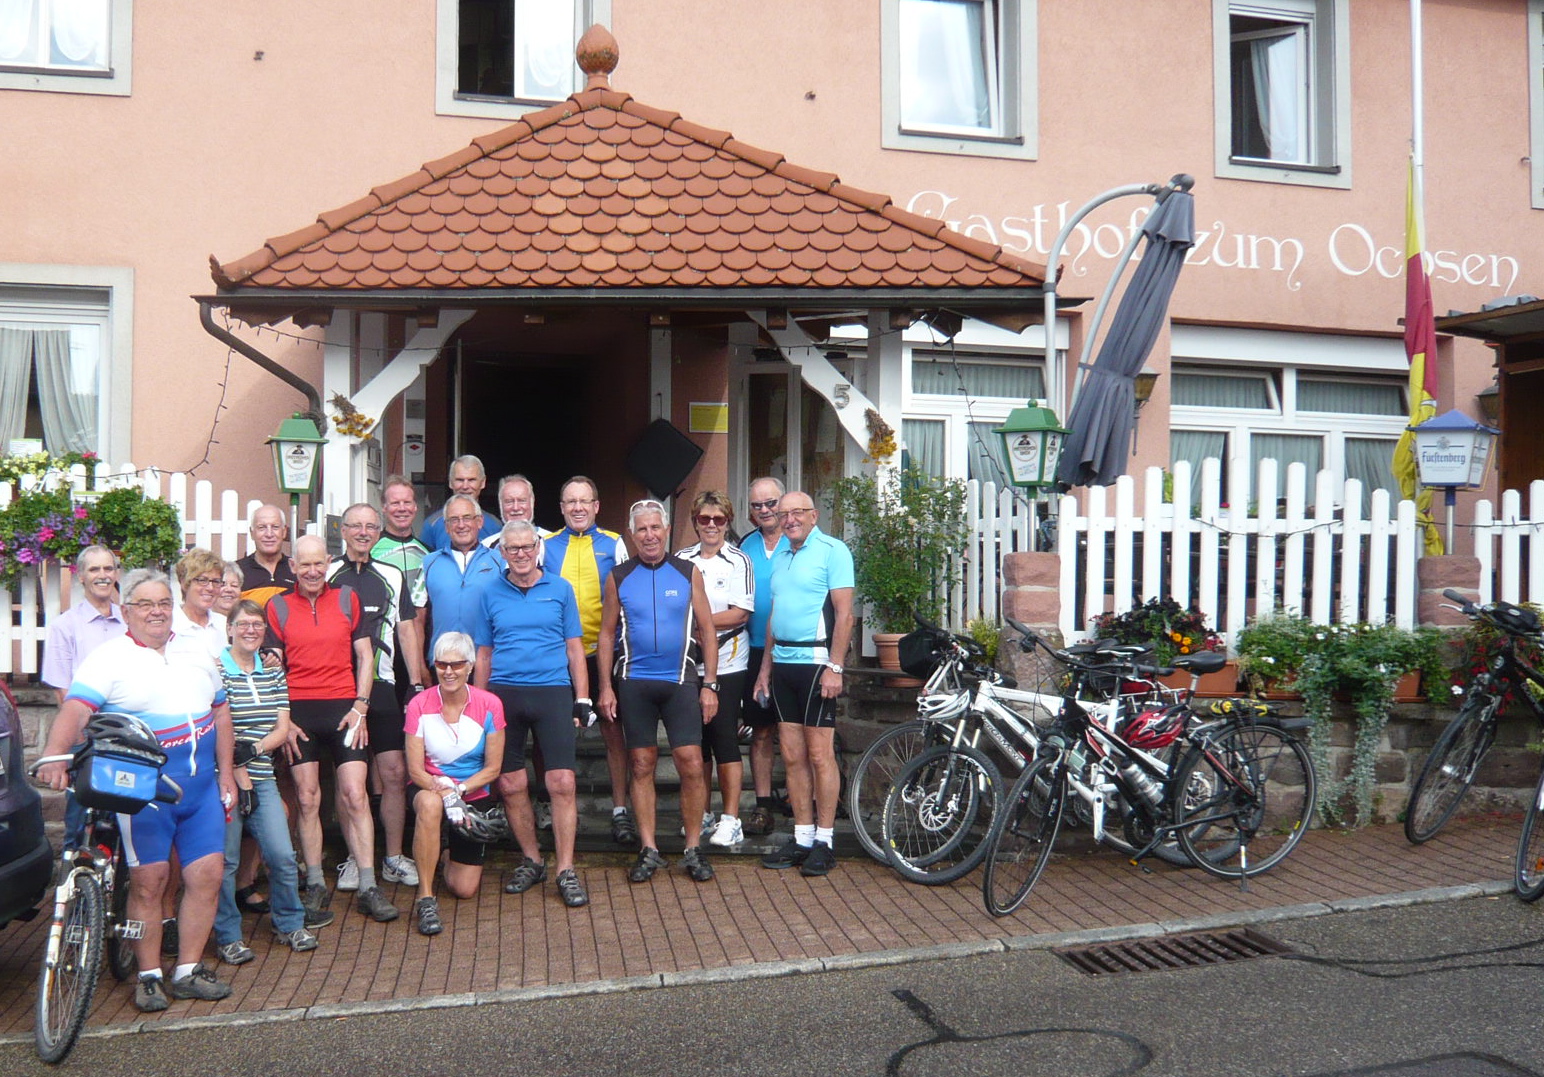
point(67, 387)
point(1015, 381)
point(80, 30)
point(985, 453)
point(944, 64)
point(1372, 461)
point(15, 382)
point(1275, 64)
point(16, 30)
point(1350, 397)
point(925, 445)
point(544, 49)
point(1219, 391)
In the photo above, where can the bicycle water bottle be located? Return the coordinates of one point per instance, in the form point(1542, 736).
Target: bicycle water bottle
point(1149, 790)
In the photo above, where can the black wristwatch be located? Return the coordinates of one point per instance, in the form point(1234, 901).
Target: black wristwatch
point(711, 686)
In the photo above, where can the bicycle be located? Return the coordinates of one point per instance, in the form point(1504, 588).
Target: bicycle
point(117, 770)
point(1221, 799)
point(1455, 758)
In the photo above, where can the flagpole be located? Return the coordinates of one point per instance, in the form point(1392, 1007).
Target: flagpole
point(1417, 110)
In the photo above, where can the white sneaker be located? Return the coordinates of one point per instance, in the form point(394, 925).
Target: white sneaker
point(399, 869)
point(707, 824)
point(543, 815)
point(728, 831)
point(348, 875)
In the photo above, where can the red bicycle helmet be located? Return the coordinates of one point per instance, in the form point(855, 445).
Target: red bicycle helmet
point(1153, 728)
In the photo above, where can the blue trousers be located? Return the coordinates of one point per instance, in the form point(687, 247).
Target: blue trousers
point(268, 825)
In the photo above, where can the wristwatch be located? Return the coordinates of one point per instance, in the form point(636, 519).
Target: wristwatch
point(711, 686)
point(834, 667)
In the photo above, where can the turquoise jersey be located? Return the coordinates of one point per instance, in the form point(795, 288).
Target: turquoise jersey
point(802, 582)
point(762, 563)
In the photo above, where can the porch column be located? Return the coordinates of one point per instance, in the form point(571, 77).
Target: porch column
point(884, 372)
point(338, 453)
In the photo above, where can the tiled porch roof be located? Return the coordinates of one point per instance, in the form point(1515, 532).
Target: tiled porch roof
point(603, 192)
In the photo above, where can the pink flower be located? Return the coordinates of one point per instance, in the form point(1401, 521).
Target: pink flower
point(45, 533)
point(81, 512)
point(88, 456)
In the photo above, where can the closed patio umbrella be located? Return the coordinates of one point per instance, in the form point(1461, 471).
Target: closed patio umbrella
point(1103, 409)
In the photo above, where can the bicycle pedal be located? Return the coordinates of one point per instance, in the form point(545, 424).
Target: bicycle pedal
point(131, 929)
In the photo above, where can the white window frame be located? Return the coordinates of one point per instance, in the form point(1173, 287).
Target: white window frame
point(1016, 131)
point(1327, 24)
point(447, 31)
point(958, 411)
point(116, 81)
point(40, 296)
point(1536, 101)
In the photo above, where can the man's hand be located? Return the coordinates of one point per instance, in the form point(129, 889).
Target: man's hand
point(55, 775)
point(709, 700)
point(584, 714)
point(607, 704)
point(830, 684)
point(359, 735)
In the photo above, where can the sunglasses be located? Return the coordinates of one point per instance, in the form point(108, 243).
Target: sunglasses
point(765, 506)
point(450, 667)
point(711, 521)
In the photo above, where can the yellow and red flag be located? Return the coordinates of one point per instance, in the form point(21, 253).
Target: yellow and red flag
point(1421, 347)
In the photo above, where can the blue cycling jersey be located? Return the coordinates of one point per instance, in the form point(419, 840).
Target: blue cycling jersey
point(654, 637)
point(528, 629)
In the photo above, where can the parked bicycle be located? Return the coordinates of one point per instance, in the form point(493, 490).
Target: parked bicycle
point(1238, 800)
point(118, 770)
point(1455, 758)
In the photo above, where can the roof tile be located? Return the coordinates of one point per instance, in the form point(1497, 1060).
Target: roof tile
point(601, 191)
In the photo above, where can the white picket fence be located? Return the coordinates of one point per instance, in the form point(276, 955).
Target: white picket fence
point(42, 592)
point(1511, 546)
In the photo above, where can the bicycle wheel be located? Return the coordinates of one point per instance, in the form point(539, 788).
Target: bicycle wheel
point(938, 814)
point(1249, 799)
point(871, 778)
point(120, 950)
point(1450, 768)
point(1023, 836)
point(1528, 874)
point(68, 978)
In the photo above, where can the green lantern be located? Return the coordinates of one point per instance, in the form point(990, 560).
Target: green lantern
point(1032, 442)
point(296, 455)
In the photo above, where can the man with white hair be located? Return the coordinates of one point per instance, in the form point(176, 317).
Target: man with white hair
point(466, 477)
point(451, 580)
point(265, 571)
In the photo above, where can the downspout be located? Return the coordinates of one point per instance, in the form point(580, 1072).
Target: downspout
point(289, 377)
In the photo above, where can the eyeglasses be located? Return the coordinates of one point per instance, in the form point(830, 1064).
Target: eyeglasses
point(163, 605)
point(711, 521)
point(524, 548)
point(765, 506)
point(450, 667)
point(361, 527)
point(450, 520)
point(207, 581)
point(248, 626)
point(576, 502)
point(794, 512)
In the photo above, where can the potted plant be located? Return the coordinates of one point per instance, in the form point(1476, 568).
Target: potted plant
point(904, 529)
point(143, 530)
point(1170, 631)
point(1473, 649)
point(1363, 662)
point(1271, 650)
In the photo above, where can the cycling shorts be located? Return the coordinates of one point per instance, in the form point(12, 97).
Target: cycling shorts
point(545, 710)
point(642, 705)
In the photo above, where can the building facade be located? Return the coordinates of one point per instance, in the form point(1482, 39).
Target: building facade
point(143, 157)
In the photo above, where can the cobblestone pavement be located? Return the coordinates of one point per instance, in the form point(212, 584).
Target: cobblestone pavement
point(753, 922)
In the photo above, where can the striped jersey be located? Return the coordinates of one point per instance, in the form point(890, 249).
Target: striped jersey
point(585, 560)
point(730, 581)
point(255, 699)
point(654, 635)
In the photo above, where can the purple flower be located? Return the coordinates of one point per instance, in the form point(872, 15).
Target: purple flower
point(26, 556)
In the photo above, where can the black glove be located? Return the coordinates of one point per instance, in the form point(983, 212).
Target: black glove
point(246, 751)
point(246, 801)
point(584, 713)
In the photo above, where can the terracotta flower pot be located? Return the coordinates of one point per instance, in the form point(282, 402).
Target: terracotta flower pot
point(888, 646)
point(1217, 685)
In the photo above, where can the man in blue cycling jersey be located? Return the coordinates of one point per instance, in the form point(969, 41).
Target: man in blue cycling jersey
point(652, 609)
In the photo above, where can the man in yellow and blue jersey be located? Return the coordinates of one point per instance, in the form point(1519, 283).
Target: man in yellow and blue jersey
point(584, 554)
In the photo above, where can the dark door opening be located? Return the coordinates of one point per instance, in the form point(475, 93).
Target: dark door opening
point(526, 414)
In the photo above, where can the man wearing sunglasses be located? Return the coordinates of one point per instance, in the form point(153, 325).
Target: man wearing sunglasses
point(808, 631)
point(760, 547)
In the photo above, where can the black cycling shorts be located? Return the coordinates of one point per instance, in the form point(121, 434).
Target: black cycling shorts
point(753, 713)
point(796, 695)
point(464, 849)
point(642, 705)
point(387, 723)
point(721, 736)
point(546, 710)
point(318, 719)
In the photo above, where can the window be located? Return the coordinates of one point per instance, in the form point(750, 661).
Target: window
point(64, 358)
point(66, 46)
point(1347, 424)
point(1536, 97)
point(501, 58)
point(954, 402)
point(959, 76)
point(1283, 81)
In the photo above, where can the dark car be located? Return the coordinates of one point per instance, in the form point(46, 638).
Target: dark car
point(26, 858)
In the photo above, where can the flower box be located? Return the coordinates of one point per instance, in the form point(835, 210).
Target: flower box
point(1217, 685)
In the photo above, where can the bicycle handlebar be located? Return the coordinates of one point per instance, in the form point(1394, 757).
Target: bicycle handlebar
point(1511, 619)
point(176, 789)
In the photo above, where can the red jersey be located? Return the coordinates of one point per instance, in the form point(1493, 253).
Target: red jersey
point(318, 640)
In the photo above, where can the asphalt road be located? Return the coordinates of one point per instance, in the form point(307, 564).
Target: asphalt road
point(1446, 990)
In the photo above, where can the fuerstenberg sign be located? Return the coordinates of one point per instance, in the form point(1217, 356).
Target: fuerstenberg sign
point(1350, 249)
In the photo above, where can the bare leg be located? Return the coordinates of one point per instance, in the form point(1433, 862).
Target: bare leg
point(428, 810)
point(514, 787)
point(200, 897)
point(565, 815)
point(761, 761)
point(643, 762)
point(800, 780)
point(353, 806)
point(820, 747)
point(147, 883)
point(616, 761)
point(694, 790)
point(308, 792)
point(392, 768)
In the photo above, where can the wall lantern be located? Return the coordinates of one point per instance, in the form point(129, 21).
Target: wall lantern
point(1142, 385)
point(296, 455)
point(1032, 443)
point(1453, 451)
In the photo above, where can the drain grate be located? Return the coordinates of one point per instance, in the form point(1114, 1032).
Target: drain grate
point(1172, 952)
